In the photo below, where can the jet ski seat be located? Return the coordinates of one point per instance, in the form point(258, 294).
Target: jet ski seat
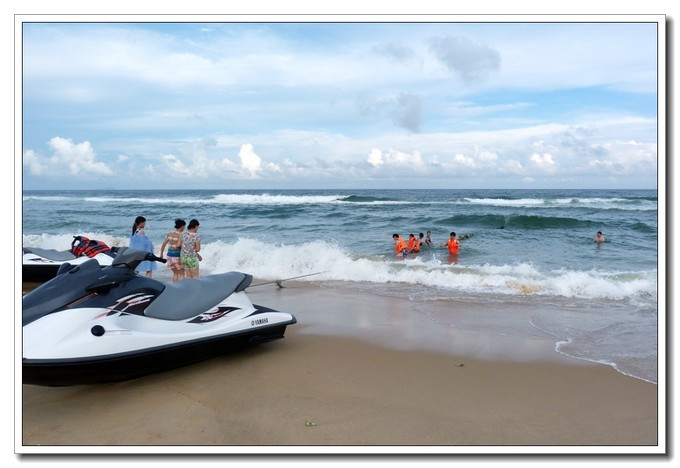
point(190, 297)
point(51, 254)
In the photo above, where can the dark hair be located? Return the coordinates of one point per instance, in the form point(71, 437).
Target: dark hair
point(193, 223)
point(411, 235)
point(420, 235)
point(453, 234)
point(138, 220)
point(599, 232)
point(394, 236)
point(179, 223)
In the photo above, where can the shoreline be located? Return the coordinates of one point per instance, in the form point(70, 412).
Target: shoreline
point(356, 391)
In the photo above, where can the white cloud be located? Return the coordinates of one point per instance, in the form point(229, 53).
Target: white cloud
point(34, 162)
point(394, 159)
point(67, 158)
point(250, 161)
point(176, 167)
point(375, 158)
point(544, 161)
point(252, 165)
point(461, 159)
point(486, 155)
point(540, 152)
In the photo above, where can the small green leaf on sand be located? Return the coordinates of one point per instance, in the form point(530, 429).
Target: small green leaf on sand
point(310, 424)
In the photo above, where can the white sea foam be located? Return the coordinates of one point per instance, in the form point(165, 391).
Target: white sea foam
point(267, 199)
point(221, 199)
point(337, 264)
point(63, 241)
point(279, 261)
point(601, 203)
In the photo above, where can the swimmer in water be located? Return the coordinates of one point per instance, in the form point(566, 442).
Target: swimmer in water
point(400, 247)
point(453, 244)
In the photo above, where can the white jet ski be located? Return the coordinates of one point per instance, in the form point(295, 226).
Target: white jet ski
point(91, 324)
point(40, 265)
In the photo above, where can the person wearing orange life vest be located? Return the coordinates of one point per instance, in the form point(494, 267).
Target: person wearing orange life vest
point(453, 244)
point(413, 243)
point(400, 247)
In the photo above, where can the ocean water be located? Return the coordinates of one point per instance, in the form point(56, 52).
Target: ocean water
point(532, 247)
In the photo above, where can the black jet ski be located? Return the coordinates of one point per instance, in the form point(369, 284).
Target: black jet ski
point(91, 324)
point(40, 265)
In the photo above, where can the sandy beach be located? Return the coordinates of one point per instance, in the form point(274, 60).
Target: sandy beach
point(357, 370)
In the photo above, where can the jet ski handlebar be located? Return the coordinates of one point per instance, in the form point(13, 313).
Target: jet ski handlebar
point(152, 258)
point(132, 257)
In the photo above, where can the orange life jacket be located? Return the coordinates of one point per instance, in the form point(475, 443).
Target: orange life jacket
point(399, 245)
point(453, 245)
point(81, 245)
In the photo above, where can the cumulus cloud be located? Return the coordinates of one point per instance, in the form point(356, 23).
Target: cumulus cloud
point(176, 166)
point(391, 159)
point(252, 164)
point(250, 161)
point(67, 158)
point(35, 163)
point(543, 153)
point(463, 160)
point(375, 158)
point(469, 60)
point(195, 162)
point(544, 161)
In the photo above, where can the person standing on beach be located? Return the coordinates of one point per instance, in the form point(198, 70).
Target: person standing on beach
point(139, 241)
point(599, 238)
point(453, 244)
point(400, 247)
point(173, 240)
point(191, 245)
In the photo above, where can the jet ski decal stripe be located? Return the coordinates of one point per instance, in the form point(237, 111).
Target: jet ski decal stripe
point(213, 315)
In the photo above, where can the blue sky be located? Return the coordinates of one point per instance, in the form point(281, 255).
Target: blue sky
point(339, 105)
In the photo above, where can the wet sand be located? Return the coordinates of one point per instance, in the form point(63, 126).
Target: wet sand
point(327, 385)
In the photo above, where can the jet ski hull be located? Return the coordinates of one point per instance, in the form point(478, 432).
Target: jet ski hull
point(130, 365)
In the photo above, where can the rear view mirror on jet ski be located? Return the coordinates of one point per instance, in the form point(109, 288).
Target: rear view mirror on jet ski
point(91, 324)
